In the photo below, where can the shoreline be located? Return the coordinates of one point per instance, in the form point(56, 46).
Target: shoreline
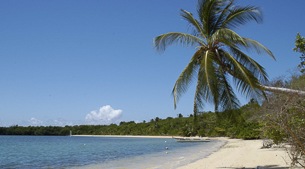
point(123, 136)
point(237, 153)
point(169, 154)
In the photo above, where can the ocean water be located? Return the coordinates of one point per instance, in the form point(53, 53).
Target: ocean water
point(48, 152)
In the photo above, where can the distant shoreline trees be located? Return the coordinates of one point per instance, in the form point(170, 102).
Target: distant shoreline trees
point(221, 124)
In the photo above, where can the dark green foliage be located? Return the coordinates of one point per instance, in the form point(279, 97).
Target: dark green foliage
point(300, 47)
point(31, 130)
point(250, 131)
point(237, 123)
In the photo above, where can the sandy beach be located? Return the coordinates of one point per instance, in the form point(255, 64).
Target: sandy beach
point(243, 154)
point(235, 154)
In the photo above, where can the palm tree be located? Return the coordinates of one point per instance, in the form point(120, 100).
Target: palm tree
point(219, 62)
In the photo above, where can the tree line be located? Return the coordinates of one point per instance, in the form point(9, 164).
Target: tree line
point(234, 123)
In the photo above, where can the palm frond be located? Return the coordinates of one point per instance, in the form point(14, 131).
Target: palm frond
point(202, 9)
point(204, 88)
point(245, 81)
point(208, 11)
point(209, 78)
point(259, 48)
point(243, 85)
point(196, 24)
point(254, 67)
point(185, 78)
point(244, 88)
point(228, 99)
point(162, 41)
point(240, 15)
point(222, 16)
point(228, 37)
point(198, 97)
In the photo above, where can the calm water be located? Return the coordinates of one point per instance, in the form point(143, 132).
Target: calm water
point(98, 152)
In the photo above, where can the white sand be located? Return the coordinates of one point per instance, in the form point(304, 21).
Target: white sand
point(243, 154)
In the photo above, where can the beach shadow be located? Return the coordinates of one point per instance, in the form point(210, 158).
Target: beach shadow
point(261, 167)
point(271, 167)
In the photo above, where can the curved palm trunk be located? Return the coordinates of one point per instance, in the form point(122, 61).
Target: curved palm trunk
point(283, 90)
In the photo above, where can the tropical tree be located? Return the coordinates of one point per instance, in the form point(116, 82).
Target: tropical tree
point(219, 63)
point(300, 47)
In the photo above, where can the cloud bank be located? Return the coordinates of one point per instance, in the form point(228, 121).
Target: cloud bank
point(51, 122)
point(35, 122)
point(105, 115)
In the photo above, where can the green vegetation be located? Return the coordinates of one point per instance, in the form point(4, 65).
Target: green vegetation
point(300, 47)
point(236, 123)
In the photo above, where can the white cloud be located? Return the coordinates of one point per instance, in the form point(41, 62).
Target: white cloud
point(51, 122)
point(35, 122)
point(58, 122)
point(105, 115)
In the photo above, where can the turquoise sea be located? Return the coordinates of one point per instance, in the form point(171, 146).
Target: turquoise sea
point(35, 152)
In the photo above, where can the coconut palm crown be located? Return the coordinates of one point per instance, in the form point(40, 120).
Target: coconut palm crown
point(219, 62)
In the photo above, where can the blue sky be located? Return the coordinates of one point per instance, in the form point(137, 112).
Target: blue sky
point(93, 62)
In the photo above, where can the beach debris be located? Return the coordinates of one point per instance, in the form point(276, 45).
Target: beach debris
point(267, 143)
